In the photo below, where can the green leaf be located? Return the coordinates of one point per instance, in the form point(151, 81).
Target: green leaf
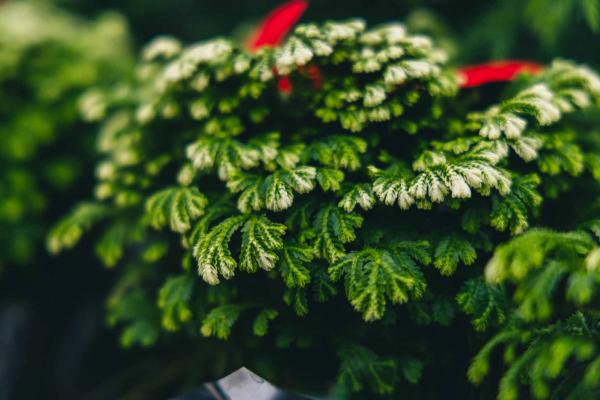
point(212, 250)
point(486, 304)
point(432, 308)
point(512, 210)
point(280, 186)
point(535, 101)
point(537, 262)
point(292, 265)
point(177, 206)
point(412, 369)
point(338, 151)
point(374, 276)
point(275, 192)
point(528, 252)
point(333, 229)
point(455, 179)
point(359, 195)
point(110, 247)
point(213, 212)
point(591, 12)
point(154, 251)
point(322, 287)
point(69, 230)
point(296, 298)
point(360, 367)
point(261, 322)
point(451, 251)
point(173, 299)
point(260, 240)
point(138, 314)
point(480, 365)
point(219, 321)
point(230, 155)
point(330, 179)
point(560, 154)
point(251, 197)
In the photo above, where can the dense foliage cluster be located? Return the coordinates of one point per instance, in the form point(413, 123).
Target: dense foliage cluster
point(347, 213)
point(47, 60)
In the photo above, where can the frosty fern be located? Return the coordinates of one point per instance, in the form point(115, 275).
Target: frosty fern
point(371, 183)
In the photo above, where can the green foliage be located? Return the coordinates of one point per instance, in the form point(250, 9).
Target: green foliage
point(261, 323)
point(333, 228)
point(551, 333)
point(374, 275)
point(133, 309)
point(48, 59)
point(219, 321)
point(451, 251)
point(177, 206)
point(486, 304)
point(373, 195)
point(174, 298)
point(360, 366)
point(261, 239)
point(294, 271)
point(69, 231)
point(512, 211)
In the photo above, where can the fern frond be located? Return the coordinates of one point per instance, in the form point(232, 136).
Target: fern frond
point(451, 251)
point(139, 316)
point(230, 155)
point(330, 179)
point(275, 192)
point(443, 180)
point(361, 367)
point(338, 152)
point(512, 210)
point(261, 322)
point(177, 206)
point(219, 321)
point(486, 304)
point(174, 301)
point(261, 238)
point(373, 276)
point(212, 250)
point(294, 271)
point(110, 248)
point(334, 228)
point(67, 232)
point(359, 195)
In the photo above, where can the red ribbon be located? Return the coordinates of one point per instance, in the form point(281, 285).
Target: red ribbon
point(279, 22)
point(495, 71)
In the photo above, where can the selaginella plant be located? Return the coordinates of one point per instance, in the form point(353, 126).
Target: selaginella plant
point(327, 207)
point(47, 60)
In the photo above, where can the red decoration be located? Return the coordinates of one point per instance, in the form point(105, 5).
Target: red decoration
point(277, 24)
point(284, 85)
point(497, 71)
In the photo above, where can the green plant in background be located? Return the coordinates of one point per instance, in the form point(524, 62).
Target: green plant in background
point(551, 341)
point(533, 29)
point(47, 60)
point(338, 225)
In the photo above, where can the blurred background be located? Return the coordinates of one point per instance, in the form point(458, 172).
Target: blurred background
point(54, 341)
point(538, 29)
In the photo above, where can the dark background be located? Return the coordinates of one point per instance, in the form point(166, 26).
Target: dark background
point(54, 343)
